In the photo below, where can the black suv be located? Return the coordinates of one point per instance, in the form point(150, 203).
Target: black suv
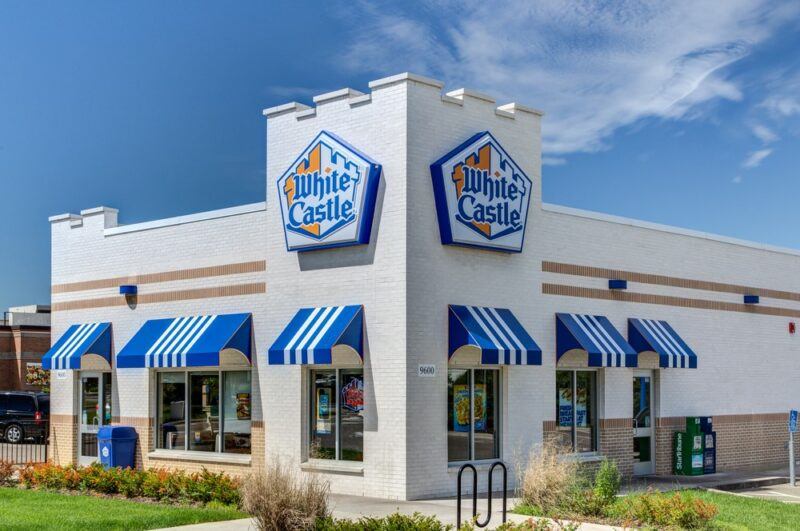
point(23, 415)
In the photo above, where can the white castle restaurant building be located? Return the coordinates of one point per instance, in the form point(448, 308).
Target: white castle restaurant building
point(403, 303)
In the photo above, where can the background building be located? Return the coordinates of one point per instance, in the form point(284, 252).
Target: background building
point(24, 338)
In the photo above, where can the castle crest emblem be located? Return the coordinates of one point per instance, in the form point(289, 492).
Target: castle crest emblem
point(482, 196)
point(328, 195)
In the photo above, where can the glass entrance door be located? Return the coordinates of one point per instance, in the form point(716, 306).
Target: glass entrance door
point(95, 411)
point(643, 440)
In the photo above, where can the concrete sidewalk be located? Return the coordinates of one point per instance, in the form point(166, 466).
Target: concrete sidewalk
point(355, 507)
point(728, 481)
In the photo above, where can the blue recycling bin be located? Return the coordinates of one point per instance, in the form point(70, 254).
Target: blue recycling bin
point(117, 446)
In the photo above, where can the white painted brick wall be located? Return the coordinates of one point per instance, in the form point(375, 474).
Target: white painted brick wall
point(405, 279)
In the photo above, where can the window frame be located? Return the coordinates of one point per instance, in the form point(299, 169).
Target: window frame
point(219, 444)
point(594, 401)
point(312, 414)
point(498, 414)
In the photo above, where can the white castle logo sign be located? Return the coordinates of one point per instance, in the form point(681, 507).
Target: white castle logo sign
point(482, 196)
point(328, 196)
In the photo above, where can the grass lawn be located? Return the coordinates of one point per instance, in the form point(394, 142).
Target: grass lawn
point(735, 512)
point(739, 512)
point(32, 509)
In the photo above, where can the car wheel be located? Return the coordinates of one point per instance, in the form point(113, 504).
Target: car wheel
point(14, 434)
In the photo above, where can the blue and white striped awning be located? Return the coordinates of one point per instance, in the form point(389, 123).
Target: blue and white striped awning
point(649, 335)
point(596, 336)
point(498, 335)
point(188, 341)
point(314, 335)
point(77, 341)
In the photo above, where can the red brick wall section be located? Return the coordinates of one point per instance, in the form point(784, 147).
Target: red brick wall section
point(18, 347)
point(616, 443)
point(756, 441)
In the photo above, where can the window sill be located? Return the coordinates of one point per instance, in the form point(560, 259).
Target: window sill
point(200, 457)
point(587, 457)
point(350, 468)
point(480, 466)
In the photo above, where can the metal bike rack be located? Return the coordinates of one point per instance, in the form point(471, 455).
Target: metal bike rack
point(475, 494)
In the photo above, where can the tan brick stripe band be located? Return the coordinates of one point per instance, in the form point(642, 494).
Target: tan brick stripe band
point(664, 300)
point(165, 296)
point(662, 280)
point(719, 420)
point(165, 276)
point(680, 422)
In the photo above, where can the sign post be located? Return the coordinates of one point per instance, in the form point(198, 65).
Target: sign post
point(792, 431)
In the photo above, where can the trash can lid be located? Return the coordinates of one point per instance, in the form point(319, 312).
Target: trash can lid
point(116, 432)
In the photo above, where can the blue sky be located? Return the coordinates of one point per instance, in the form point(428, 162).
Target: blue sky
point(685, 113)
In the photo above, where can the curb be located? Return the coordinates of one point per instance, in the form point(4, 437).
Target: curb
point(750, 484)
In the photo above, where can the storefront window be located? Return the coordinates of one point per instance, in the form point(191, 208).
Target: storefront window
point(198, 396)
point(337, 414)
point(171, 410)
point(203, 412)
point(472, 414)
point(576, 399)
point(236, 412)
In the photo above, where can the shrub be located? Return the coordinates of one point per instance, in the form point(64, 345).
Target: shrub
point(281, 500)
point(607, 482)
point(393, 522)
point(680, 509)
point(6, 471)
point(158, 484)
point(548, 481)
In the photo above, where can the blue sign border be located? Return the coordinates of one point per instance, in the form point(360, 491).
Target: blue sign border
point(371, 186)
point(440, 196)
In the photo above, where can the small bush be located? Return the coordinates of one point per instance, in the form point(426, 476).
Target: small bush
point(158, 484)
point(548, 481)
point(679, 509)
point(6, 471)
point(607, 482)
point(393, 522)
point(281, 500)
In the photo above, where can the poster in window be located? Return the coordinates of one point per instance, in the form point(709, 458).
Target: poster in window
point(324, 423)
point(353, 394)
point(480, 407)
point(565, 406)
point(581, 407)
point(243, 406)
point(460, 408)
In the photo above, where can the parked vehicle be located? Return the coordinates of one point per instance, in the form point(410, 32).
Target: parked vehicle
point(24, 415)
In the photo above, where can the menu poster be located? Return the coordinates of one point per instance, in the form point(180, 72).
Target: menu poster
point(243, 406)
point(461, 408)
point(581, 407)
point(324, 422)
point(565, 407)
point(480, 407)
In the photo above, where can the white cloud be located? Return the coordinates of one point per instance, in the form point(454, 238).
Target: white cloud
point(592, 66)
point(756, 157)
point(764, 134)
point(554, 161)
point(737, 179)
